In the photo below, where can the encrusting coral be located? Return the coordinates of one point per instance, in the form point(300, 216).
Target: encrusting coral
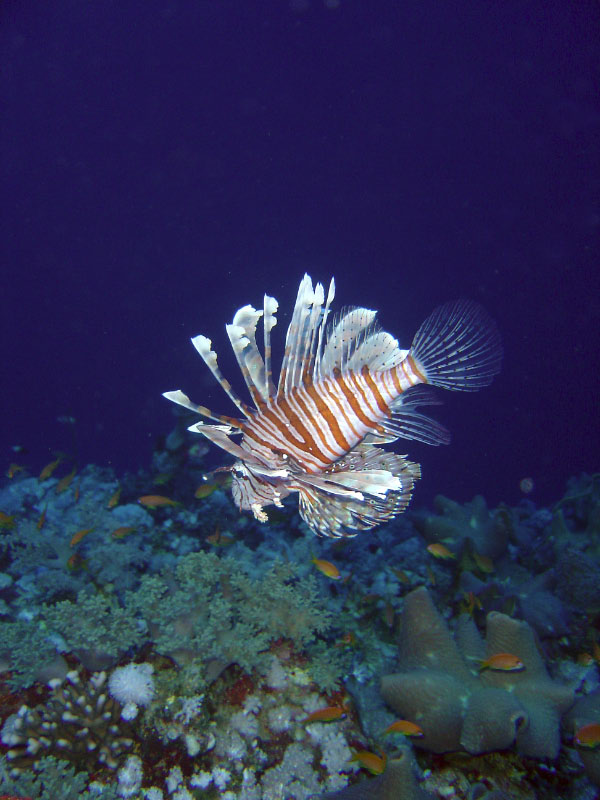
point(459, 708)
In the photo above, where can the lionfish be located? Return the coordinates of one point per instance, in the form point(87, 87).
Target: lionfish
point(345, 388)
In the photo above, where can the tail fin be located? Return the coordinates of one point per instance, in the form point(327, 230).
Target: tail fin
point(458, 347)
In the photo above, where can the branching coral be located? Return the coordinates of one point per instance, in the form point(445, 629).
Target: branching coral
point(78, 723)
point(439, 687)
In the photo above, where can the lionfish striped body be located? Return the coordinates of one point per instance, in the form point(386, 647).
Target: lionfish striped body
point(344, 389)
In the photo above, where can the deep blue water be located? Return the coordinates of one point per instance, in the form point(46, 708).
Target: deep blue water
point(164, 163)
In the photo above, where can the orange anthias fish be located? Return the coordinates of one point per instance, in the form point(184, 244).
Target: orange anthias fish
point(42, 519)
point(327, 714)
point(156, 501)
point(588, 735)
point(65, 482)
point(439, 550)
point(327, 568)
point(483, 563)
point(77, 537)
point(371, 761)
point(7, 521)
point(470, 602)
point(405, 727)
point(205, 490)
point(12, 470)
point(120, 533)
point(344, 389)
point(503, 662)
point(49, 469)
point(114, 498)
point(219, 539)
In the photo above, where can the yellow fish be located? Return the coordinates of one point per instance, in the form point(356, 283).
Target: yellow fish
point(371, 761)
point(327, 568)
point(49, 469)
point(77, 537)
point(439, 550)
point(502, 662)
point(205, 490)
point(114, 498)
point(156, 501)
point(405, 727)
point(42, 519)
point(327, 714)
point(65, 482)
point(588, 735)
point(7, 522)
point(484, 563)
point(120, 533)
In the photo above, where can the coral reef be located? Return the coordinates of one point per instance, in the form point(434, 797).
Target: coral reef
point(440, 688)
point(208, 640)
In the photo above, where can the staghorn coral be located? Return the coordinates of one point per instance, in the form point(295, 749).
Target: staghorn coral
point(439, 688)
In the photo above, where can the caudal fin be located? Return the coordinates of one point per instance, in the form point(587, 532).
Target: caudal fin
point(458, 347)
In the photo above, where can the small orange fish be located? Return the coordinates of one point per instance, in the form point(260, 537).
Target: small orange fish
point(76, 562)
point(327, 714)
point(12, 470)
point(120, 533)
point(77, 492)
point(371, 761)
point(49, 469)
point(401, 575)
point(347, 640)
point(162, 478)
point(502, 662)
point(470, 603)
point(156, 501)
point(389, 614)
point(405, 727)
point(430, 576)
point(218, 539)
point(77, 537)
point(42, 519)
point(439, 550)
point(205, 490)
point(7, 521)
point(483, 563)
point(114, 498)
point(65, 482)
point(327, 568)
point(585, 659)
point(588, 735)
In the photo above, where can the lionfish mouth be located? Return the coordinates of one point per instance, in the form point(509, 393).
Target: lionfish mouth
point(344, 389)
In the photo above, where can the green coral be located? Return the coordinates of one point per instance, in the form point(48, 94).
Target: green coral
point(95, 621)
point(212, 608)
point(51, 779)
point(29, 649)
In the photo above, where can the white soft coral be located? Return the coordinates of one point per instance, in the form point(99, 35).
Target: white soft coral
point(132, 686)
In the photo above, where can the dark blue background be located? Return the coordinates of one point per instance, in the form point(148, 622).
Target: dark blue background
point(165, 162)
